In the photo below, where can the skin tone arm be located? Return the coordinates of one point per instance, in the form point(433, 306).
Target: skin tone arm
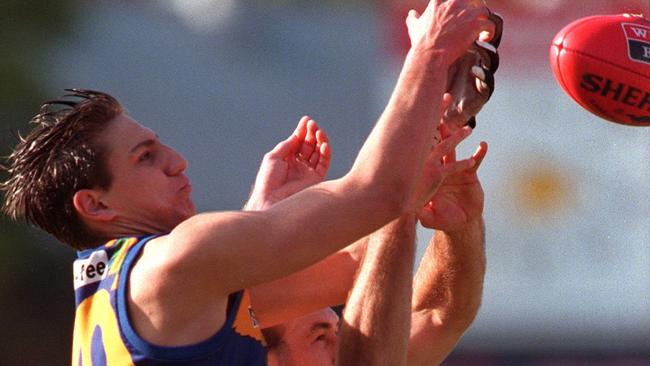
point(437, 321)
point(342, 265)
point(448, 285)
point(228, 245)
point(220, 253)
point(376, 320)
point(287, 169)
point(449, 282)
point(294, 164)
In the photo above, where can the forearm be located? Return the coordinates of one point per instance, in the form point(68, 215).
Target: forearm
point(447, 293)
point(324, 284)
point(395, 151)
point(452, 270)
point(376, 320)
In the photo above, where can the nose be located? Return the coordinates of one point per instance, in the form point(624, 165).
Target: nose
point(176, 163)
point(331, 317)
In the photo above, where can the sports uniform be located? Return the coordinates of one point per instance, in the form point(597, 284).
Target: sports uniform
point(103, 334)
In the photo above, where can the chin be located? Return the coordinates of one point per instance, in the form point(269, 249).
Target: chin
point(187, 213)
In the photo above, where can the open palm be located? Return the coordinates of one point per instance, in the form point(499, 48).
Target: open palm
point(294, 164)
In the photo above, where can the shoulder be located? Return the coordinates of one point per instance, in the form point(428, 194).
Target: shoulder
point(165, 304)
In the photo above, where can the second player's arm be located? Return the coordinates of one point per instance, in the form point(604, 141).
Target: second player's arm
point(448, 288)
point(234, 250)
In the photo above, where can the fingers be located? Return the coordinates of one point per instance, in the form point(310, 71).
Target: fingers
point(471, 122)
point(449, 144)
point(458, 166)
point(411, 17)
point(448, 128)
point(479, 154)
point(483, 81)
point(319, 152)
point(313, 148)
point(445, 151)
point(485, 23)
point(323, 163)
point(284, 148)
point(489, 56)
point(495, 38)
point(301, 129)
point(309, 142)
point(447, 99)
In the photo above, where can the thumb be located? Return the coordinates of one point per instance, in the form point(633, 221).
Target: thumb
point(284, 148)
point(411, 17)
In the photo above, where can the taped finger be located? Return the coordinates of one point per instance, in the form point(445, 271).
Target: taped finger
point(489, 55)
point(498, 28)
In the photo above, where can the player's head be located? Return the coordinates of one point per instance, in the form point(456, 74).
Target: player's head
point(61, 176)
point(307, 340)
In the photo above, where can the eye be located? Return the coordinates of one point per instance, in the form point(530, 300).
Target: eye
point(145, 156)
point(320, 338)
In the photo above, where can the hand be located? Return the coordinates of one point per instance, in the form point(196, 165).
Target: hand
point(439, 166)
point(471, 77)
point(448, 27)
point(294, 164)
point(459, 200)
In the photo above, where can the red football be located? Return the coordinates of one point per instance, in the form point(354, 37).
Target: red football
point(603, 63)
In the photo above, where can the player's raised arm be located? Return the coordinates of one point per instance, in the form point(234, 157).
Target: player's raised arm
point(448, 285)
point(238, 247)
point(211, 255)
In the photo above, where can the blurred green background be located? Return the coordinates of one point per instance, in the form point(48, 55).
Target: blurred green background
point(36, 303)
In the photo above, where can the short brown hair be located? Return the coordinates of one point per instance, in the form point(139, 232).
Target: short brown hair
point(60, 156)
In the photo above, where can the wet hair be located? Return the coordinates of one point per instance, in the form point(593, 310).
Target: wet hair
point(60, 156)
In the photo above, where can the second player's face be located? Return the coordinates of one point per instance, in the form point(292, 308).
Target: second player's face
point(308, 340)
point(149, 187)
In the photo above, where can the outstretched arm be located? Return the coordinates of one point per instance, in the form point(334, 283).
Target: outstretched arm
point(376, 319)
point(449, 282)
point(236, 247)
point(294, 164)
point(447, 293)
point(295, 295)
point(219, 253)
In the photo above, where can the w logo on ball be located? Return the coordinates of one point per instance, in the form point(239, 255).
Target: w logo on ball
point(638, 42)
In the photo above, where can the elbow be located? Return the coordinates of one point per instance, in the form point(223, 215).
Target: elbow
point(458, 319)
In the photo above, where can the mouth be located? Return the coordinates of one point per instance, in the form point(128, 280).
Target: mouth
point(186, 187)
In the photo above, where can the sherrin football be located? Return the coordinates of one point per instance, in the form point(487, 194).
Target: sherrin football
point(603, 63)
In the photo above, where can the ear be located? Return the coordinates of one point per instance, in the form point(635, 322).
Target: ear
point(88, 205)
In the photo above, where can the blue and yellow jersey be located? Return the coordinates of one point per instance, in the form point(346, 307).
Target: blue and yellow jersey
point(103, 334)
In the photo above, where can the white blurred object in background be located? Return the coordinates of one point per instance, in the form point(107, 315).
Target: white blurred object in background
point(204, 16)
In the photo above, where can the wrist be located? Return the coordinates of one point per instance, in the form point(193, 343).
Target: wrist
point(433, 57)
point(471, 227)
point(258, 202)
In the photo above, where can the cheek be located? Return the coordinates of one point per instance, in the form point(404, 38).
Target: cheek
point(322, 353)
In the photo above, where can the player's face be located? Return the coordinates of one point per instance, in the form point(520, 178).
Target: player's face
point(149, 188)
point(309, 340)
